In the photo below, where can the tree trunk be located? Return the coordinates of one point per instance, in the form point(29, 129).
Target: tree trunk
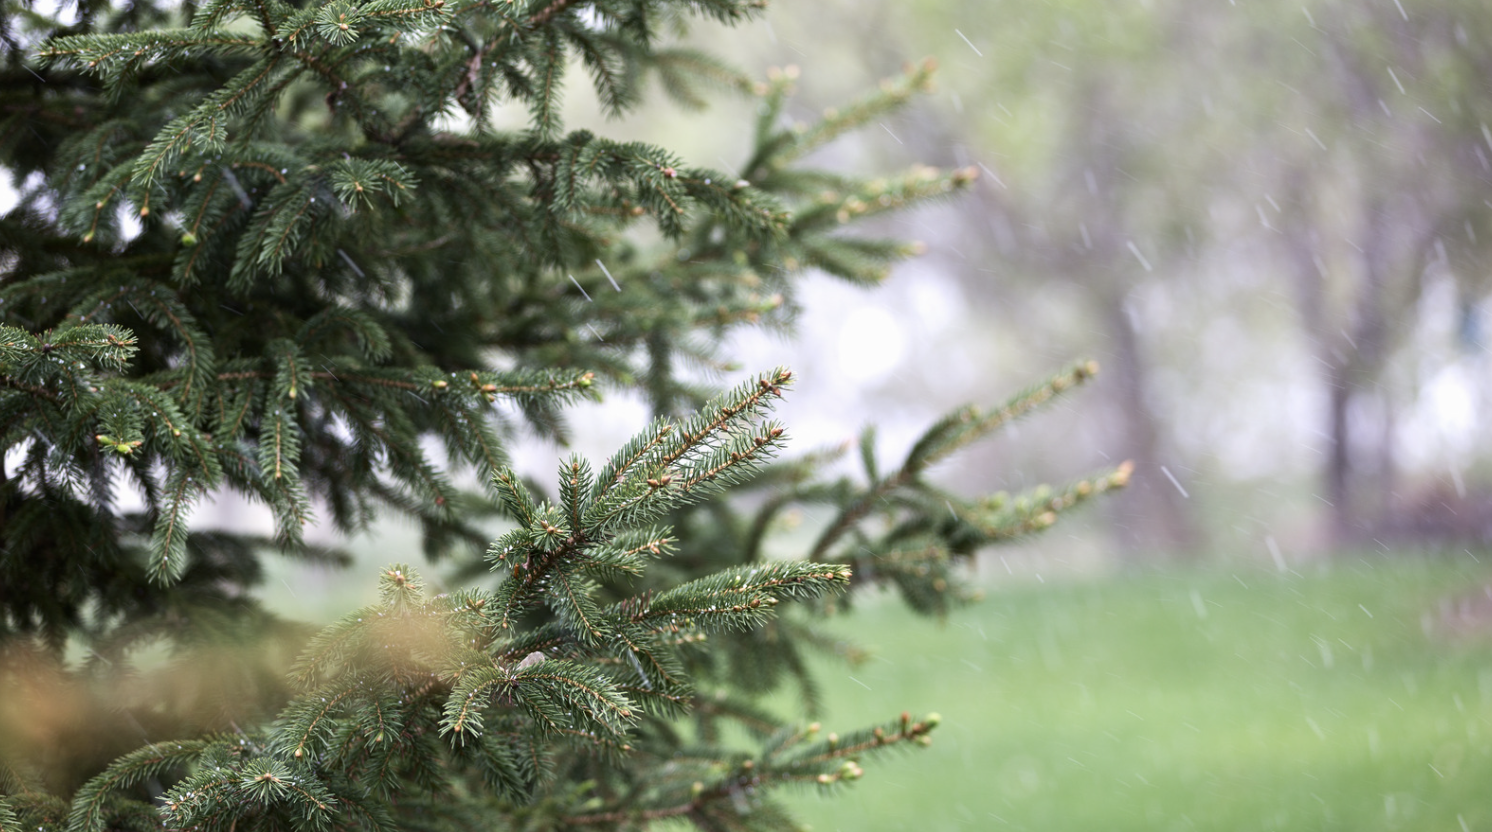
point(1150, 516)
point(1339, 468)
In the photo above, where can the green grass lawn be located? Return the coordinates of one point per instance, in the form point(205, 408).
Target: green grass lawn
point(1333, 700)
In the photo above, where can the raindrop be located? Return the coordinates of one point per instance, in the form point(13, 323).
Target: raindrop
point(971, 43)
point(1198, 604)
point(1397, 83)
point(1164, 469)
point(1135, 250)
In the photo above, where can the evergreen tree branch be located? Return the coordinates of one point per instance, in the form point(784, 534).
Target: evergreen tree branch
point(951, 433)
point(151, 761)
point(305, 247)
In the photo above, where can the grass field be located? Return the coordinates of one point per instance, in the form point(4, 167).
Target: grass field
point(1338, 699)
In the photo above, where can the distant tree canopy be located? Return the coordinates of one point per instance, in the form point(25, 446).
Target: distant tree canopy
point(1288, 179)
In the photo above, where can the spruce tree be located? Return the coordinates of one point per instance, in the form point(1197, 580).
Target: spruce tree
point(285, 249)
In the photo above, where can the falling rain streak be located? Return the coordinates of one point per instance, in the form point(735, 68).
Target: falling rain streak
point(606, 272)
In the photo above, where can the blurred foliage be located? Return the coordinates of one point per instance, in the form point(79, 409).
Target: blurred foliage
point(1270, 219)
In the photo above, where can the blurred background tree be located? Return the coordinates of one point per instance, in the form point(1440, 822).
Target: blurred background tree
point(1270, 219)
